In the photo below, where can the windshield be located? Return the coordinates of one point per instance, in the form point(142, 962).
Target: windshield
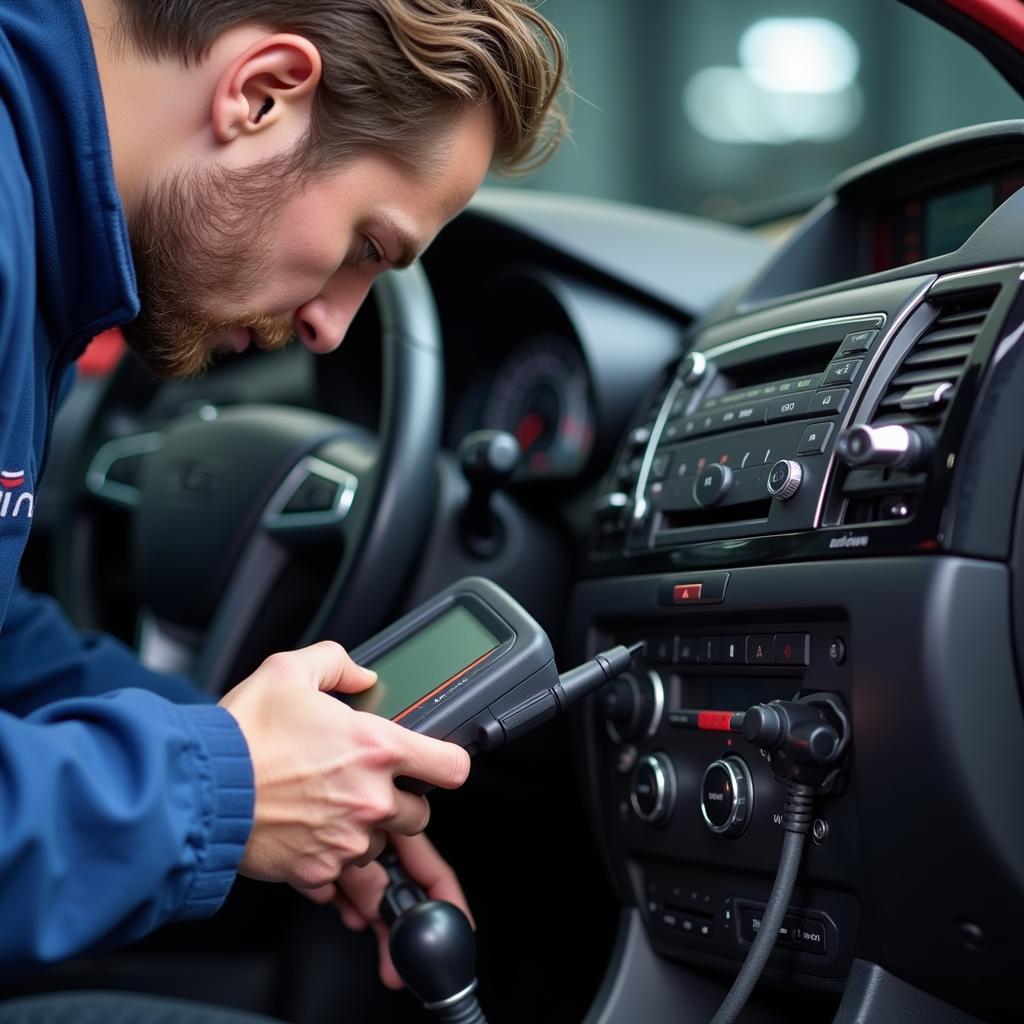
point(746, 110)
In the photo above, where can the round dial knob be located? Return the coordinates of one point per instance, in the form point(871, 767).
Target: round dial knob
point(712, 484)
point(652, 792)
point(893, 445)
point(632, 705)
point(692, 368)
point(726, 796)
point(784, 479)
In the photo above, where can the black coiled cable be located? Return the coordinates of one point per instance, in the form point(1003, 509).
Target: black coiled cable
point(796, 822)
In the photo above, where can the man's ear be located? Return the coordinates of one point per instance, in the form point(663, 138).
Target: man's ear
point(269, 82)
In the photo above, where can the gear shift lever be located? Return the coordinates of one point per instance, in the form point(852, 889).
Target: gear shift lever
point(488, 459)
point(432, 946)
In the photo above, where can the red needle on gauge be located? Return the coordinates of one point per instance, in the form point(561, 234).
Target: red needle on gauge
point(531, 426)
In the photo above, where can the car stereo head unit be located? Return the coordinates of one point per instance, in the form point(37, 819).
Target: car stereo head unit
point(807, 438)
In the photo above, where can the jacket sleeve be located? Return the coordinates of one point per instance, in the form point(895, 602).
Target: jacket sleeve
point(44, 659)
point(117, 813)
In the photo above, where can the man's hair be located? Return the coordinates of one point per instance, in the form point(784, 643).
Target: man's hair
point(394, 71)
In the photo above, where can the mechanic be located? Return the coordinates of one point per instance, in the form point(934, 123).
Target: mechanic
point(213, 174)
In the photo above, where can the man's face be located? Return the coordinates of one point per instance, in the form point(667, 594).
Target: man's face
point(226, 258)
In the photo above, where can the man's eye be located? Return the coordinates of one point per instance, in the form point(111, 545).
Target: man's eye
point(369, 253)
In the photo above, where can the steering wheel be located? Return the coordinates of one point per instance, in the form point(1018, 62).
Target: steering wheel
point(221, 500)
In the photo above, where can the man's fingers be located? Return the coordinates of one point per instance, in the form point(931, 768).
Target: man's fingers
point(388, 974)
point(432, 761)
point(326, 666)
point(364, 888)
point(350, 917)
point(425, 865)
point(378, 840)
point(412, 813)
point(322, 894)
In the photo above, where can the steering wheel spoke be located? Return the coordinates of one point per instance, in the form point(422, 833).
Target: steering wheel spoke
point(115, 471)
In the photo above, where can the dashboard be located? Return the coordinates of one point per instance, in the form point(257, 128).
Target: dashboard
point(807, 485)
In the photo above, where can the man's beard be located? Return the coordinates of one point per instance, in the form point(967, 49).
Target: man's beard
point(200, 242)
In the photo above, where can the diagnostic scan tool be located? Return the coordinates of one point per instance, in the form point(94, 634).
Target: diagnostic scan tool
point(471, 666)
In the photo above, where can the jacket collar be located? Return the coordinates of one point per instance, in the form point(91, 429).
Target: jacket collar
point(86, 279)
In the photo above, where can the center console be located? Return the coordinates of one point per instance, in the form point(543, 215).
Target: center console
point(820, 498)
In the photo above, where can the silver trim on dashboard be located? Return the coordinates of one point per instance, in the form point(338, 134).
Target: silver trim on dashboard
point(774, 332)
point(639, 499)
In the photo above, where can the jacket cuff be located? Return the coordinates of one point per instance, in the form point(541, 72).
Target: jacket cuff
point(226, 795)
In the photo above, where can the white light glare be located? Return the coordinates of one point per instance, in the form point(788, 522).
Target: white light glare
point(727, 105)
point(799, 55)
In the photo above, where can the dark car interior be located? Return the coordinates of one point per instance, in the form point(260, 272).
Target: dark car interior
point(789, 468)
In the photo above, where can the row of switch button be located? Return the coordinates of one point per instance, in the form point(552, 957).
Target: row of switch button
point(753, 649)
point(800, 933)
point(821, 403)
point(684, 924)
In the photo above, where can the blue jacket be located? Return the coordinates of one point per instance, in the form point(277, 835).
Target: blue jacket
point(119, 810)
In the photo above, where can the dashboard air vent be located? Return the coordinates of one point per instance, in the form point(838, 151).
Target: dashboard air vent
point(918, 395)
point(927, 378)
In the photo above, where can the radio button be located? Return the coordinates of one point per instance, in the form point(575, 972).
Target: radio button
point(859, 341)
point(815, 438)
point(712, 485)
point(845, 372)
point(829, 402)
point(787, 408)
point(792, 649)
point(734, 650)
point(759, 649)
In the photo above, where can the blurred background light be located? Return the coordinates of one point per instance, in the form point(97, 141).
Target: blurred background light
point(799, 55)
point(797, 83)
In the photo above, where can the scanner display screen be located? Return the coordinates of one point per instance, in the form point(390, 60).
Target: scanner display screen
point(424, 662)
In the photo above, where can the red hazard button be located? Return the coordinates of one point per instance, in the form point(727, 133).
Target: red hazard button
point(684, 593)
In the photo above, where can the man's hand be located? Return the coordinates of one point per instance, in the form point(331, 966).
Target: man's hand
point(325, 774)
point(357, 893)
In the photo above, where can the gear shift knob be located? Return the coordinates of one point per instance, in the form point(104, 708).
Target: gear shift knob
point(434, 951)
point(488, 459)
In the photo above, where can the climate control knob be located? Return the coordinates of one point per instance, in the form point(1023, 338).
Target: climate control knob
point(784, 479)
point(726, 796)
point(712, 484)
point(652, 792)
point(632, 705)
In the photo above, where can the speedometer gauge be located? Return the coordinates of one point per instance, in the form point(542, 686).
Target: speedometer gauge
point(541, 394)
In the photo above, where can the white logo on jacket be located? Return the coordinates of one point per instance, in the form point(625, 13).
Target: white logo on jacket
point(12, 504)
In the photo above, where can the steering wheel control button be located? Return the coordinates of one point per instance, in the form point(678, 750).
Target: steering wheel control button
point(792, 649)
point(712, 485)
point(845, 371)
point(784, 479)
point(313, 495)
point(726, 795)
point(653, 789)
point(791, 408)
point(826, 403)
point(858, 341)
point(815, 439)
point(760, 649)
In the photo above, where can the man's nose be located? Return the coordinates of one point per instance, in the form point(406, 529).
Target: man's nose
point(322, 322)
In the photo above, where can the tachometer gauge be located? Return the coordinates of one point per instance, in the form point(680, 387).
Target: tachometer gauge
point(541, 394)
